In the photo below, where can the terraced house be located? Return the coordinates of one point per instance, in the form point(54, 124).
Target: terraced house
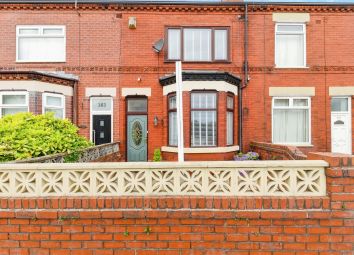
point(268, 72)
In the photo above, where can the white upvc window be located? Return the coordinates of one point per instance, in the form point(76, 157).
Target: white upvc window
point(40, 43)
point(291, 120)
point(290, 45)
point(12, 102)
point(54, 103)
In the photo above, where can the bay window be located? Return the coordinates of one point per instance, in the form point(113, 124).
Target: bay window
point(40, 43)
point(290, 45)
point(172, 120)
point(229, 120)
point(198, 44)
point(291, 120)
point(54, 103)
point(203, 119)
point(12, 102)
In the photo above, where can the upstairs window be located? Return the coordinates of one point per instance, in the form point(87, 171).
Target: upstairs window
point(54, 103)
point(12, 102)
point(198, 44)
point(290, 45)
point(40, 43)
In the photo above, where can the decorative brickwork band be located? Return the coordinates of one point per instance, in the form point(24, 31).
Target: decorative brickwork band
point(266, 178)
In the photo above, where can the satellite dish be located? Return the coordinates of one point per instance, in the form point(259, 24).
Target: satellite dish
point(158, 45)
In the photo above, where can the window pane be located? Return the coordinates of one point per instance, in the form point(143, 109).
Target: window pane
point(339, 104)
point(204, 100)
point(58, 113)
point(28, 31)
point(300, 102)
point(7, 111)
point(290, 28)
point(230, 128)
point(203, 128)
point(52, 31)
point(13, 99)
point(197, 44)
point(103, 104)
point(41, 49)
point(230, 102)
point(174, 44)
point(172, 102)
point(172, 132)
point(281, 102)
point(54, 101)
point(220, 48)
point(290, 50)
point(137, 105)
point(291, 126)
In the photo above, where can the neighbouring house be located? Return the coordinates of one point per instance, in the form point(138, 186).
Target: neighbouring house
point(269, 72)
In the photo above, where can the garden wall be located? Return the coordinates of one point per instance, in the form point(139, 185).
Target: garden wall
point(181, 225)
point(100, 153)
point(270, 151)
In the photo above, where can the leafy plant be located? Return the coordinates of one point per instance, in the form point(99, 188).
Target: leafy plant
point(25, 135)
point(247, 156)
point(157, 155)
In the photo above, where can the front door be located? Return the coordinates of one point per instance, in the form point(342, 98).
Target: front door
point(137, 137)
point(341, 132)
point(101, 129)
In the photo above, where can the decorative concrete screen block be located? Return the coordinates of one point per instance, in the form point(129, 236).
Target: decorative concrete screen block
point(263, 178)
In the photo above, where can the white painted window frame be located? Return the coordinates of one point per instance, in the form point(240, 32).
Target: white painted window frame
point(276, 32)
point(40, 35)
point(45, 106)
point(100, 113)
point(2, 93)
point(291, 99)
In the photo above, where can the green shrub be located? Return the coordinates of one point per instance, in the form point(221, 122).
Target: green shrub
point(25, 135)
point(157, 155)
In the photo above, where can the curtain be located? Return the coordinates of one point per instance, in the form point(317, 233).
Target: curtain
point(290, 50)
point(41, 49)
point(291, 126)
point(220, 47)
point(172, 125)
point(197, 44)
point(174, 44)
point(230, 128)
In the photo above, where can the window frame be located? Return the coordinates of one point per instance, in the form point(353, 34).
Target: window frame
point(276, 32)
point(40, 35)
point(169, 110)
point(291, 103)
point(205, 109)
point(212, 28)
point(25, 93)
point(44, 102)
point(231, 95)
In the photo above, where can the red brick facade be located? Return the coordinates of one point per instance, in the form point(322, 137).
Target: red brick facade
point(103, 52)
point(186, 225)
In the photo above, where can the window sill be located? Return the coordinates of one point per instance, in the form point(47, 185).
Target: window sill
point(296, 144)
point(39, 62)
point(291, 67)
point(202, 150)
point(200, 62)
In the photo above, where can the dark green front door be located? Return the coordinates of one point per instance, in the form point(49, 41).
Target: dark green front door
point(137, 138)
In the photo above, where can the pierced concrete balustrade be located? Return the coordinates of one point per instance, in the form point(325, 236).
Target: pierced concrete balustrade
point(228, 178)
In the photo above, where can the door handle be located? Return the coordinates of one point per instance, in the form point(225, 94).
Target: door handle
point(94, 136)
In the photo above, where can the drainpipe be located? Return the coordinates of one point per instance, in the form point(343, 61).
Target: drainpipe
point(245, 80)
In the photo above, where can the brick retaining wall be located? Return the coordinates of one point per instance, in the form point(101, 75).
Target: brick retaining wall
point(186, 225)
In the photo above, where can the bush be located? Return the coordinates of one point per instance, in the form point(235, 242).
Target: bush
point(157, 155)
point(25, 135)
point(248, 156)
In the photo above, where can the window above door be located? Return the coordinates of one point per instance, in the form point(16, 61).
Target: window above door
point(198, 44)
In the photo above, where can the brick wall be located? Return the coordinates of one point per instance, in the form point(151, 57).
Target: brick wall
point(270, 151)
point(97, 35)
point(186, 225)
